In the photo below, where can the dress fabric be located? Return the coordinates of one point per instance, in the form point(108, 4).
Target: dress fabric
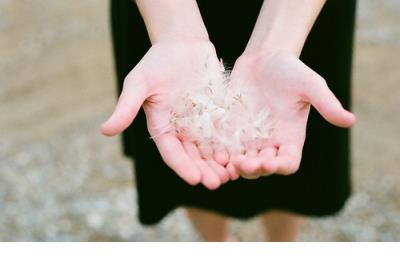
point(320, 187)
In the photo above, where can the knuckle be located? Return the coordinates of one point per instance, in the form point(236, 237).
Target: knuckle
point(127, 80)
point(134, 78)
point(318, 81)
point(314, 80)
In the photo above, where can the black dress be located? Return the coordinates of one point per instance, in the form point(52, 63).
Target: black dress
point(322, 184)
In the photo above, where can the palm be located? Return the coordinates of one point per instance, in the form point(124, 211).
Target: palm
point(168, 69)
point(288, 87)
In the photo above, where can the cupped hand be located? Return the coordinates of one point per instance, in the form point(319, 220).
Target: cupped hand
point(288, 87)
point(168, 69)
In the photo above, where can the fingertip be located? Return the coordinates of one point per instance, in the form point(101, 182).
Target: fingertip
point(105, 129)
point(352, 118)
point(326, 103)
point(221, 157)
point(268, 160)
point(348, 119)
point(250, 166)
point(287, 167)
point(236, 160)
point(234, 175)
point(191, 174)
point(251, 176)
point(219, 170)
point(115, 124)
point(269, 166)
point(194, 178)
point(188, 172)
point(211, 183)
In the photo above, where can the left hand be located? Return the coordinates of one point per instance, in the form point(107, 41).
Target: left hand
point(169, 68)
point(288, 88)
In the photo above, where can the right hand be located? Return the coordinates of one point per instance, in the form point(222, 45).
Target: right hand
point(170, 67)
point(288, 87)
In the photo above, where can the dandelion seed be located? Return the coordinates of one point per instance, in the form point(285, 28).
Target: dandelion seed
point(217, 113)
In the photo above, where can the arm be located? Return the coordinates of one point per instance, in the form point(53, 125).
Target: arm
point(284, 25)
point(169, 20)
point(271, 65)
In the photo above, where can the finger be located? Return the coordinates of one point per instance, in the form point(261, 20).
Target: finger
point(219, 170)
point(244, 167)
point(288, 159)
point(326, 103)
point(253, 146)
point(221, 156)
point(208, 177)
point(233, 173)
point(174, 155)
point(250, 165)
point(131, 99)
point(236, 160)
point(251, 153)
point(251, 176)
point(206, 152)
point(189, 148)
point(268, 160)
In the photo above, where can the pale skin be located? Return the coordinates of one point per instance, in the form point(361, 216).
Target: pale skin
point(270, 62)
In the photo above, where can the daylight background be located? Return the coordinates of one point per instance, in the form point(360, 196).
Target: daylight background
point(60, 180)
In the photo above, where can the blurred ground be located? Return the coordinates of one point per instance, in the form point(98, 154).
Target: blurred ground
point(60, 180)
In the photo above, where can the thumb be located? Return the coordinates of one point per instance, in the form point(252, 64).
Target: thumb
point(326, 103)
point(134, 93)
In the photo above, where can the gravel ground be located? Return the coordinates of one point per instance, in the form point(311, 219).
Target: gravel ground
point(60, 180)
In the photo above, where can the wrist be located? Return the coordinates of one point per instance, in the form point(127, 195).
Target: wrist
point(278, 37)
point(180, 29)
point(269, 48)
point(172, 20)
point(283, 26)
point(183, 42)
point(180, 38)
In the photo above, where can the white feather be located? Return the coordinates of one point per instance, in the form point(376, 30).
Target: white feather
point(219, 113)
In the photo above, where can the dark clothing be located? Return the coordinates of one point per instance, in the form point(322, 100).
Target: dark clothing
point(322, 184)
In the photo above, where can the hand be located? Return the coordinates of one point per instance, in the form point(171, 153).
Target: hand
point(169, 68)
point(288, 87)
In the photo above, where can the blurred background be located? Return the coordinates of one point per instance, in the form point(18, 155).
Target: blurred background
point(60, 180)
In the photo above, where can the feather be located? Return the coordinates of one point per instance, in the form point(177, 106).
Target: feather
point(220, 113)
